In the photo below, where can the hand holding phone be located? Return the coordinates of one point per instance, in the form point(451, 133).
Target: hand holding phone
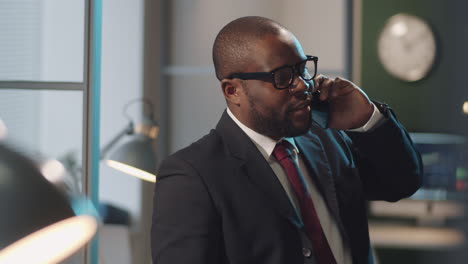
point(340, 104)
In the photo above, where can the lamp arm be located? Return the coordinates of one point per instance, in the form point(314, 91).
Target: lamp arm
point(145, 101)
point(128, 130)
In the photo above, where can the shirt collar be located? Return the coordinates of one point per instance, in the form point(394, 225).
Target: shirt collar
point(265, 144)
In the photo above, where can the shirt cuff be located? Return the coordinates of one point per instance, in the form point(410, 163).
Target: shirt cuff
point(375, 118)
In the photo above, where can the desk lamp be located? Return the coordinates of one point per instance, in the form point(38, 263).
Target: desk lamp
point(135, 157)
point(37, 223)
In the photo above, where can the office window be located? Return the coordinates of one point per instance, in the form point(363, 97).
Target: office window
point(42, 40)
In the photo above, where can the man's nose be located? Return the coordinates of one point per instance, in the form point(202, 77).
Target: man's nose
point(299, 85)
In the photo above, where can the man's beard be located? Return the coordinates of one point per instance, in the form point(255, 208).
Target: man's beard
point(271, 126)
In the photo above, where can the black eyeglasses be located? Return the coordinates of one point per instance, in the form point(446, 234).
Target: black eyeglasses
point(283, 76)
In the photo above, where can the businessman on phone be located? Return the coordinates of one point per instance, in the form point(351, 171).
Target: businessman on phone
point(270, 184)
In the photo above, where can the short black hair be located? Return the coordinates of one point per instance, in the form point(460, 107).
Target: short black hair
point(233, 46)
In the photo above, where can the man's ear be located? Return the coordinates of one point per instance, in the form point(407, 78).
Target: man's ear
point(232, 90)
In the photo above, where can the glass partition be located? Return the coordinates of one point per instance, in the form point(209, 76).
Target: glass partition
point(45, 91)
point(42, 40)
point(47, 125)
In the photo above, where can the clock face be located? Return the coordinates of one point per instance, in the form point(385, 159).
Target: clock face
point(407, 47)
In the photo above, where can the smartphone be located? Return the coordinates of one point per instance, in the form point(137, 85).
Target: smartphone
point(319, 110)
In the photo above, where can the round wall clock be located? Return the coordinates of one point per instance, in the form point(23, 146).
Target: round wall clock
point(407, 47)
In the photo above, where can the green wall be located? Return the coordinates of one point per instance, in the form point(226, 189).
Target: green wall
point(433, 104)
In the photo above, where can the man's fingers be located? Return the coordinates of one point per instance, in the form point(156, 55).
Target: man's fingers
point(323, 85)
point(318, 81)
point(340, 87)
point(340, 82)
point(331, 88)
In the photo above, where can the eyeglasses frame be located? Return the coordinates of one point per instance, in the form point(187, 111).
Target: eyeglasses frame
point(270, 76)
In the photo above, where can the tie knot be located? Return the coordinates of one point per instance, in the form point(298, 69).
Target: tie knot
point(282, 150)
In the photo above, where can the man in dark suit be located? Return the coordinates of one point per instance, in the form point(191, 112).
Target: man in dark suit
point(232, 198)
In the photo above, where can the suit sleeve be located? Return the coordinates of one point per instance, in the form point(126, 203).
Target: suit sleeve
point(389, 164)
point(185, 223)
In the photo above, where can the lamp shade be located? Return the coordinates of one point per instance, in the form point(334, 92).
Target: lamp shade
point(136, 157)
point(37, 223)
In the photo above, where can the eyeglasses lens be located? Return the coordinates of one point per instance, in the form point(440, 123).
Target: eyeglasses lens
point(285, 76)
point(307, 70)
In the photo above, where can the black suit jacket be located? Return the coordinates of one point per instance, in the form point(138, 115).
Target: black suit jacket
point(218, 200)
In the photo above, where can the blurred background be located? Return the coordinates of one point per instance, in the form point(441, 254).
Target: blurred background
point(62, 99)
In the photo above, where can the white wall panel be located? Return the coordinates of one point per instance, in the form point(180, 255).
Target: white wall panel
point(121, 81)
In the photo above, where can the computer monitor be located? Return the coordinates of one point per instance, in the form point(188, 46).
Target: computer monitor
point(444, 164)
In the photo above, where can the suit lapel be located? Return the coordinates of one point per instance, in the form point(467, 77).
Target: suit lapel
point(250, 163)
point(262, 176)
point(312, 150)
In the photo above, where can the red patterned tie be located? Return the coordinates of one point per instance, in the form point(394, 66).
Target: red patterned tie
point(323, 253)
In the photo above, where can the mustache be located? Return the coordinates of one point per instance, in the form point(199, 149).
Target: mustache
point(304, 99)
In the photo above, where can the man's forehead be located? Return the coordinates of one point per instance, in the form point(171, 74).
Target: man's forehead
point(277, 50)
